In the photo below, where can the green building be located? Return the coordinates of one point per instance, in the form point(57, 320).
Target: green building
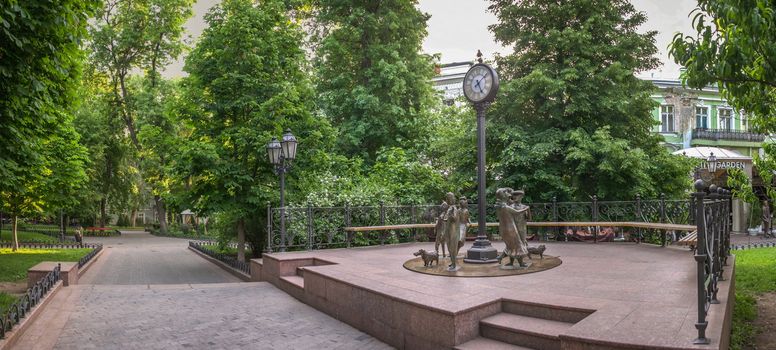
point(701, 118)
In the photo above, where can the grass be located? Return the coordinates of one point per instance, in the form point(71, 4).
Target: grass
point(25, 236)
point(14, 265)
point(6, 300)
point(755, 275)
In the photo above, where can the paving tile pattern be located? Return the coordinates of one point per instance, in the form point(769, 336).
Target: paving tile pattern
point(216, 316)
point(148, 292)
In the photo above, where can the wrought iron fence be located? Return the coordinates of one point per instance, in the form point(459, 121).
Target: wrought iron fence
point(19, 309)
point(96, 248)
point(309, 228)
point(241, 266)
point(713, 221)
point(51, 245)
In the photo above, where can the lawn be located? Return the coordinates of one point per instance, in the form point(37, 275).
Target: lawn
point(14, 266)
point(25, 236)
point(755, 274)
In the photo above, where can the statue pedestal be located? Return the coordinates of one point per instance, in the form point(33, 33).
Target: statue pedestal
point(515, 267)
point(481, 253)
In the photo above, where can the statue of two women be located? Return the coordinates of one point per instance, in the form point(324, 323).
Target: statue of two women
point(512, 225)
point(451, 227)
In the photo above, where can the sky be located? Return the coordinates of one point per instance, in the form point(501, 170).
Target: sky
point(458, 28)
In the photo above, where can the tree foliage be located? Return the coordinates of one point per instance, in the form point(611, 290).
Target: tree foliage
point(572, 119)
point(733, 47)
point(372, 77)
point(247, 74)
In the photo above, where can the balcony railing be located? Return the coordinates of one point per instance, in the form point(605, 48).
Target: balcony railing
point(725, 134)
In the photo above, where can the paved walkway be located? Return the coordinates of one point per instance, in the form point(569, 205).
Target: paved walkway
point(148, 292)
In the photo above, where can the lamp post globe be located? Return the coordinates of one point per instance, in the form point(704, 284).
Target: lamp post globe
point(712, 160)
point(274, 151)
point(288, 143)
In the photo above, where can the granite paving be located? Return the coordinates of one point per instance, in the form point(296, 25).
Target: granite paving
point(148, 292)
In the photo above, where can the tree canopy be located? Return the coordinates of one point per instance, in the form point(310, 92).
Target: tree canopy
point(733, 48)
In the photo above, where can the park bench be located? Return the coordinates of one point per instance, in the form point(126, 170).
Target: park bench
point(690, 240)
point(634, 224)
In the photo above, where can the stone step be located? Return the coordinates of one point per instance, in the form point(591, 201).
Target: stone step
point(547, 312)
point(296, 281)
point(488, 344)
point(521, 330)
point(300, 271)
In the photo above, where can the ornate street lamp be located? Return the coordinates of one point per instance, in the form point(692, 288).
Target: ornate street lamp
point(281, 154)
point(480, 85)
point(712, 161)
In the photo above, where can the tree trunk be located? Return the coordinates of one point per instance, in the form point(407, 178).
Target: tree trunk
point(133, 217)
point(241, 240)
point(15, 237)
point(103, 213)
point(161, 213)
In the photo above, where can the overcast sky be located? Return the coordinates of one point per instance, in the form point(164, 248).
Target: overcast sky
point(458, 28)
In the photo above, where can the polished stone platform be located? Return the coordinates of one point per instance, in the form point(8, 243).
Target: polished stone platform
point(603, 296)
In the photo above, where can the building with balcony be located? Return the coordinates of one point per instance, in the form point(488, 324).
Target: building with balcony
point(701, 118)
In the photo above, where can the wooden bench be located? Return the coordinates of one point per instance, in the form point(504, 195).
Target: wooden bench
point(689, 240)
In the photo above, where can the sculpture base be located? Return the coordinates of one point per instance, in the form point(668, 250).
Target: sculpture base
point(515, 266)
point(480, 270)
point(481, 254)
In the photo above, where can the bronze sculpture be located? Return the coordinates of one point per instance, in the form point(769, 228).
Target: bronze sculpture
point(512, 219)
point(428, 257)
point(537, 250)
point(452, 230)
point(463, 219)
point(440, 227)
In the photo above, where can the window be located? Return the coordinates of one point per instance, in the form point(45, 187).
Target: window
point(725, 118)
point(702, 117)
point(667, 118)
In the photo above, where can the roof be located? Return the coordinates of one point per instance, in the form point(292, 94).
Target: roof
point(704, 152)
point(187, 212)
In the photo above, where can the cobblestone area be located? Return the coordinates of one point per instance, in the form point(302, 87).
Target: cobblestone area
point(148, 292)
point(216, 316)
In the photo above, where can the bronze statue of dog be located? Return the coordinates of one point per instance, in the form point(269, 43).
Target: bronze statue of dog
point(428, 257)
point(536, 250)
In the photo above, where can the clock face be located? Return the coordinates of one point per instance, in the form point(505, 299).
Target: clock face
point(480, 83)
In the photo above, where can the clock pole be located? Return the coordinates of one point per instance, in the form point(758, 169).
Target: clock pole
point(482, 251)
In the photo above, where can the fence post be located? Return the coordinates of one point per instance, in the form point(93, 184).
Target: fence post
point(382, 222)
point(348, 237)
point(700, 259)
point(663, 218)
point(413, 220)
point(640, 218)
point(268, 248)
point(595, 218)
point(309, 226)
point(555, 219)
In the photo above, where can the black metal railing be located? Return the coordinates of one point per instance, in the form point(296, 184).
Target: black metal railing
point(309, 228)
point(229, 260)
point(726, 134)
point(713, 221)
point(19, 309)
point(51, 245)
point(96, 248)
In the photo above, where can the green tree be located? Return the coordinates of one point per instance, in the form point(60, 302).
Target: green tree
point(568, 90)
point(733, 47)
point(40, 62)
point(247, 74)
point(373, 80)
point(130, 35)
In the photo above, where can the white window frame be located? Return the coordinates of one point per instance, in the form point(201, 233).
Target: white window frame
point(705, 124)
point(667, 119)
point(722, 126)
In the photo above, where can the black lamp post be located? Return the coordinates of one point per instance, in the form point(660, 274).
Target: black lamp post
point(281, 154)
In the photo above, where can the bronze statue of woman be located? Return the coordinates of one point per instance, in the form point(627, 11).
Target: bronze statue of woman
point(508, 219)
point(452, 230)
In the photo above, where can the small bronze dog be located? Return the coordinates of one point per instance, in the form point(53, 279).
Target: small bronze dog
point(537, 250)
point(428, 257)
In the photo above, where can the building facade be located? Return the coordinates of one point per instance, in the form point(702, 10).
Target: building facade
point(701, 118)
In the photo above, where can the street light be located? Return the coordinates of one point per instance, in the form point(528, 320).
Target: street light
point(712, 161)
point(281, 154)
